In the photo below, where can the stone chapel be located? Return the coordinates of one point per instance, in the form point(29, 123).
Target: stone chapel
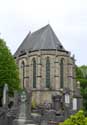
point(45, 66)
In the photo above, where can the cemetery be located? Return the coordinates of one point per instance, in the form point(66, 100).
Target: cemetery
point(21, 112)
point(48, 92)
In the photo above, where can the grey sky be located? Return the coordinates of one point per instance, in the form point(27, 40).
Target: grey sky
point(68, 19)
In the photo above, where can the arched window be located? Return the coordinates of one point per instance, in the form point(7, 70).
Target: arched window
point(62, 73)
point(47, 73)
point(23, 71)
point(34, 73)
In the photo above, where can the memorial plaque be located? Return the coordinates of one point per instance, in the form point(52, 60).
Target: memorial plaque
point(74, 103)
point(67, 99)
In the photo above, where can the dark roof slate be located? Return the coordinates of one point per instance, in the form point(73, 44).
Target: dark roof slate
point(42, 39)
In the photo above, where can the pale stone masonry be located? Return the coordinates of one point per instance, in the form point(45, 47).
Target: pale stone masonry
point(47, 46)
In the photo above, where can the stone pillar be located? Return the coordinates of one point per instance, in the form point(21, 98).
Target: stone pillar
point(78, 96)
point(39, 80)
point(65, 72)
point(20, 73)
point(39, 75)
point(30, 73)
point(70, 76)
point(57, 74)
point(74, 75)
point(26, 74)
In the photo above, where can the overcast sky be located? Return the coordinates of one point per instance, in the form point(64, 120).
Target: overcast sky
point(68, 18)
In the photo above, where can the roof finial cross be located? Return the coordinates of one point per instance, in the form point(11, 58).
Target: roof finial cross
point(48, 21)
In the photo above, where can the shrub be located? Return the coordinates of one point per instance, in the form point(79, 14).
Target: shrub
point(77, 119)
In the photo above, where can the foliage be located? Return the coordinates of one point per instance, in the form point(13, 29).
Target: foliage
point(81, 75)
point(8, 69)
point(86, 121)
point(77, 119)
point(84, 71)
point(81, 72)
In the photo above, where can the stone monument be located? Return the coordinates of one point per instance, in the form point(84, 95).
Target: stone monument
point(24, 113)
point(5, 96)
point(56, 99)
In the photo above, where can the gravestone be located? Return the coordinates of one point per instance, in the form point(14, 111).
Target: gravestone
point(51, 114)
point(56, 99)
point(24, 113)
point(44, 122)
point(28, 104)
point(5, 96)
point(16, 98)
point(12, 113)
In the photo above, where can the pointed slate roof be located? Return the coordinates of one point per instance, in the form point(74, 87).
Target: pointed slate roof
point(42, 39)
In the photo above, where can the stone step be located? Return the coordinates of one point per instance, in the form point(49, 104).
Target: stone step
point(23, 122)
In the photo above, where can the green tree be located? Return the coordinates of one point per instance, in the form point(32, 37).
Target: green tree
point(81, 72)
point(81, 75)
point(8, 69)
point(84, 71)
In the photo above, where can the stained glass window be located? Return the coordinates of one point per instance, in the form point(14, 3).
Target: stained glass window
point(47, 73)
point(61, 73)
point(34, 73)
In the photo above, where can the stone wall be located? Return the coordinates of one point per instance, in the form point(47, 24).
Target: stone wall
point(55, 57)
